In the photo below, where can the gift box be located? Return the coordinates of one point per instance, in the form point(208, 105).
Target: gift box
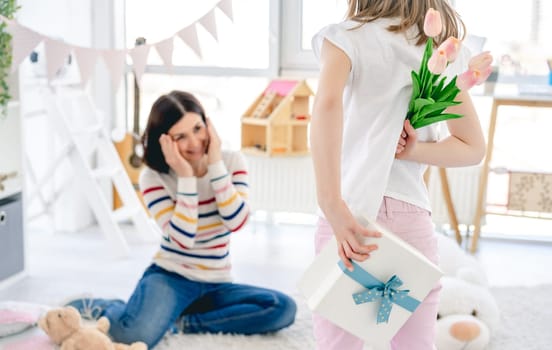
point(378, 296)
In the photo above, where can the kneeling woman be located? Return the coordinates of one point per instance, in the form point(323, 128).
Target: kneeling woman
point(197, 194)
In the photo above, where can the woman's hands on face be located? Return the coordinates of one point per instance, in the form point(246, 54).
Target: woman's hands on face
point(214, 147)
point(174, 159)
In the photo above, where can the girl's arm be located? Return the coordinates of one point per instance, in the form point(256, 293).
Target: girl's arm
point(325, 138)
point(465, 145)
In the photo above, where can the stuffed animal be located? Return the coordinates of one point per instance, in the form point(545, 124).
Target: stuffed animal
point(468, 312)
point(64, 327)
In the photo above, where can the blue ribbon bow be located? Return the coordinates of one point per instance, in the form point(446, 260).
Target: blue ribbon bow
point(388, 292)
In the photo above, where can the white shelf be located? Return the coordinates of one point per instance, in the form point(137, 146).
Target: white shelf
point(10, 190)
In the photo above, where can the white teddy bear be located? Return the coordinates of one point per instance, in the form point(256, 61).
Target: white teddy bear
point(468, 312)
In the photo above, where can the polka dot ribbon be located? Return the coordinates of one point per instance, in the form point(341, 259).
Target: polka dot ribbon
point(388, 292)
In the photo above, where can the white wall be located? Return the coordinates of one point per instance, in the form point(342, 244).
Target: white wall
point(84, 23)
point(64, 19)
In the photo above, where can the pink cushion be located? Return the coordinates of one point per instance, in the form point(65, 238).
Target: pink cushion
point(37, 342)
point(16, 317)
point(11, 316)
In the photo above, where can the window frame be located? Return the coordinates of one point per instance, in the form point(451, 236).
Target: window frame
point(294, 58)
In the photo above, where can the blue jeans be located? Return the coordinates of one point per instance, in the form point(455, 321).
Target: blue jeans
point(163, 299)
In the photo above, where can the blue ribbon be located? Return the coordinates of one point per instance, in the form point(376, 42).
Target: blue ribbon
point(388, 292)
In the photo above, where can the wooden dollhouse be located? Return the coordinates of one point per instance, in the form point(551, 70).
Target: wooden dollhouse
point(277, 122)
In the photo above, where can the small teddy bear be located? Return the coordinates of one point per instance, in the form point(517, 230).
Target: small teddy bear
point(64, 327)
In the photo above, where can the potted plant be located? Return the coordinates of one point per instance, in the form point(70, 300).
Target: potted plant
point(7, 9)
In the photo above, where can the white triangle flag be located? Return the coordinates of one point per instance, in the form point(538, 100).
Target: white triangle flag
point(115, 62)
point(189, 36)
point(209, 23)
point(56, 56)
point(24, 41)
point(165, 50)
point(226, 7)
point(139, 56)
point(86, 60)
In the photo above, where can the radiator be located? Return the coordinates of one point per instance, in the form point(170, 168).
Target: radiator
point(281, 184)
point(464, 185)
point(286, 184)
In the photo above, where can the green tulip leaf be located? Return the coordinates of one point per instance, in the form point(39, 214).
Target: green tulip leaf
point(441, 117)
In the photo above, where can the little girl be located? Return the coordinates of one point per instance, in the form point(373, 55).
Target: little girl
point(362, 164)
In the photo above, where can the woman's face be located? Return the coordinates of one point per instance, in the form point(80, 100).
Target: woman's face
point(190, 134)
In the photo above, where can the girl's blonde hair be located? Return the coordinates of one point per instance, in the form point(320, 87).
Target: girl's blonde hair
point(411, 13)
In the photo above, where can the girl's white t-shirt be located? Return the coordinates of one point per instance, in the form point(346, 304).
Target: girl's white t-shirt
point(375, 103)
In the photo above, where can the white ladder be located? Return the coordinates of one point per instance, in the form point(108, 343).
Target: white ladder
point(79, 123)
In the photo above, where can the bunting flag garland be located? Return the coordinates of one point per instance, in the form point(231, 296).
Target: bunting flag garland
point(139, 60)
point(56, 53)
point(165, 50)
point(189, 36)
point(226, 7)
point(208, 22)
point(86, 60)
point(115, 62)
point(25, 40)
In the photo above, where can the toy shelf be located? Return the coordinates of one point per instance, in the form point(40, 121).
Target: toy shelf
point(276, 124)
point(263, 138)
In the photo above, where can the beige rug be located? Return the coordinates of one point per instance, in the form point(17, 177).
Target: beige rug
point(526, 321)
point(526, 324)
point(297, 336)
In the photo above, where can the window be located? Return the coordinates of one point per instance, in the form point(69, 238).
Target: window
point(272, 38)
point(243, 43)
point(243, 59)
point(302, 19)
point(517, 34)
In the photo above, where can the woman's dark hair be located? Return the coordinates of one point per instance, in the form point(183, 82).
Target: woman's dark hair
point(166, 111)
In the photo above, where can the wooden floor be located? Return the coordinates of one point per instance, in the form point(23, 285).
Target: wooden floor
point(273, 255)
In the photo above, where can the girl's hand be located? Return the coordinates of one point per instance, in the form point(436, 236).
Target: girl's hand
point(173, 157)
point(214, 148)
point(407, 141)
point(348, 233)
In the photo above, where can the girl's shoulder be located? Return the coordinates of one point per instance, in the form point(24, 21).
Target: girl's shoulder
point(353, 33)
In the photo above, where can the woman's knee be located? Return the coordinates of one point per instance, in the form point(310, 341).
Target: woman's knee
point(285, 309)
point(132, 330)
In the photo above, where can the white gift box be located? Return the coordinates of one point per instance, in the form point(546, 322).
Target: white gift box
point(329, 289)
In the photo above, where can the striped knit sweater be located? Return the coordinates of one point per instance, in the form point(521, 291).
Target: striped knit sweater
point(197, 216)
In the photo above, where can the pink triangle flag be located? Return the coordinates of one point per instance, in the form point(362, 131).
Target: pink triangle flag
point(189, 36)
point(139, 56)
point(226, 7)
point(165, 50)
point(86, 60)
point(115, 62)
point(56, 56)
point(209, 23)
point(24, 40)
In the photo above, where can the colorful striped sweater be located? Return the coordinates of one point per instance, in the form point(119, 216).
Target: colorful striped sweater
point(197, 217)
